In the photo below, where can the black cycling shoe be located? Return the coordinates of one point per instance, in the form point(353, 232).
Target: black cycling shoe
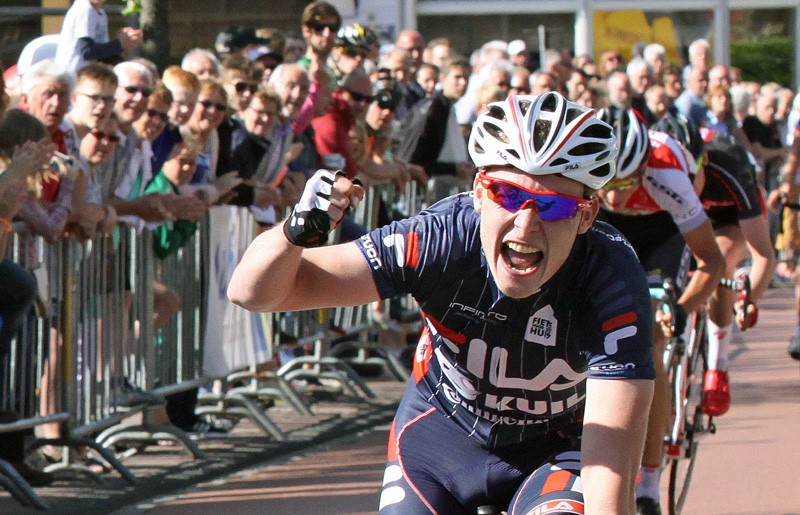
point(794, 347)
point(647, 506)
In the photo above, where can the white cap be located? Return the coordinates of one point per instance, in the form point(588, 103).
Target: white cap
point(516, 47)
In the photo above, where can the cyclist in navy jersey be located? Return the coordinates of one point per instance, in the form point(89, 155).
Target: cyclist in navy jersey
point(651, 200)
point(533, 374)
point(727, 186)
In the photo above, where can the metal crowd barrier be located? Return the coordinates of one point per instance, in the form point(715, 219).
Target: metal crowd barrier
point(92, 338)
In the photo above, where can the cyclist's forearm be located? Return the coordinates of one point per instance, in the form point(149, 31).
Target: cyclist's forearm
point(615, 420)
point(700, 288)
point(756, 234)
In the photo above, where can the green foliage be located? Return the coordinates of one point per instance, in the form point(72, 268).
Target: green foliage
point(764, 60)
point(132, 7)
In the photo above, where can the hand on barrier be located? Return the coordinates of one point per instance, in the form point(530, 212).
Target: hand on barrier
point(325, 200)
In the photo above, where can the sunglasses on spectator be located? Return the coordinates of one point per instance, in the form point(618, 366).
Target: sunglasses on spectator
point(241, 87)
point(621, 184)
point(360, 97)
point(105, 136)
point(354, 52)
point(146, 92)
point(320, 27)
point(208, 104)
point(98, 98)
point(549, 205)
point(155, 113)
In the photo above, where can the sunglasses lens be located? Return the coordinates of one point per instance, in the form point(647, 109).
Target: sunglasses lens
point(549, 207)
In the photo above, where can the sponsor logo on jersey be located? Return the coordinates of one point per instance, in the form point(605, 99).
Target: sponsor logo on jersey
point(372, 253)
point(476, 314)
point(542, 327)
point(558, 506)
point(618, 328)
point(664, 189)
point(406, 248)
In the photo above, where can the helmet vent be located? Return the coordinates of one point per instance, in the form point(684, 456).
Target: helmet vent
point(558, 162)
point(541, 129)
point(587, 149)
point(513, 152)
point(549, 103)
point(524, 105)
point(477, 148)
point(496, 131)
point(572, 114)
point(497, 113)
point(602, 171)
point(598, 131)
point(627, 162)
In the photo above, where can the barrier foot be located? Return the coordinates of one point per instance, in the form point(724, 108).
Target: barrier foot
point(19, 488)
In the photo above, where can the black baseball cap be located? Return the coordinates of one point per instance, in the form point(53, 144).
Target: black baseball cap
point(236, 37)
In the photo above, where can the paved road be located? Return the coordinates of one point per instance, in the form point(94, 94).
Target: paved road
point(748, 467)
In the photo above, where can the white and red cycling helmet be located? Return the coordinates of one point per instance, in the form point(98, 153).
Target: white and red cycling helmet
point(545, 135)
point(631, 132)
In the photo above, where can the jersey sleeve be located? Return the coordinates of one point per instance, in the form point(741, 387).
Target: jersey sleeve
point(667, 182)
point(418, 255)
point(618, 330)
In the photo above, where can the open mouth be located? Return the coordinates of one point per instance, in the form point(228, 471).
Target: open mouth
point(522, 258)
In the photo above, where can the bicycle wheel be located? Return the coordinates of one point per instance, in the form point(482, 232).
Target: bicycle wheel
point(690, 372)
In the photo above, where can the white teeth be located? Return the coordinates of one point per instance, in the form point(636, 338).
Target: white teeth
point(522, 249)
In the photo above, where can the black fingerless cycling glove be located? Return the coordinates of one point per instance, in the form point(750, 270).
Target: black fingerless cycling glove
point(309, 224)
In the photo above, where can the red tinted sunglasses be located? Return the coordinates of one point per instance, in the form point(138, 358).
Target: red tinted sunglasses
point(549, 205)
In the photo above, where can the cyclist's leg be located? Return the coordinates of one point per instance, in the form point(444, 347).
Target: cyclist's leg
point(434, 466)
point(555, 487)
point(717, 398)
point(670, 259)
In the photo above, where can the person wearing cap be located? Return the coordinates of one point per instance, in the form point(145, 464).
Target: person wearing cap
point(267, 58)
point(379, 117)
point(237, 39)
point(518, 53)
point(320, 23)
point(350, 49)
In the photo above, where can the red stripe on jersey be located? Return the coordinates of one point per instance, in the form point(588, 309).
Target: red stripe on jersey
point(391, 449)
point(619, 321)
point(556, 481)
point(412, 249)
point(444, 331)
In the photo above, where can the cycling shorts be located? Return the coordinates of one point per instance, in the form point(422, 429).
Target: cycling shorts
point(435, 467)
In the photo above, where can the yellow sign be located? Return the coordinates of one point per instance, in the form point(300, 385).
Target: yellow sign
point(621, 30)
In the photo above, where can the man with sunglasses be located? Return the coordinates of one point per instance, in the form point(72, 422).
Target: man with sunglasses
point(533, 373)
point(651, 201)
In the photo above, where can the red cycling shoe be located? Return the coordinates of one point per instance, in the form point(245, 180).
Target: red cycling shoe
point(717, 399)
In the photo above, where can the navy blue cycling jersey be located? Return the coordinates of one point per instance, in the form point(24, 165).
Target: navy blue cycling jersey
point(508, 370)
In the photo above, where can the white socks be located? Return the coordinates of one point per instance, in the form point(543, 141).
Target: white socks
point(649, 478)
point(719, 339)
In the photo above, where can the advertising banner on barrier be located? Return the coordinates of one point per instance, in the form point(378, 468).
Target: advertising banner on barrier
point(234, 337)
